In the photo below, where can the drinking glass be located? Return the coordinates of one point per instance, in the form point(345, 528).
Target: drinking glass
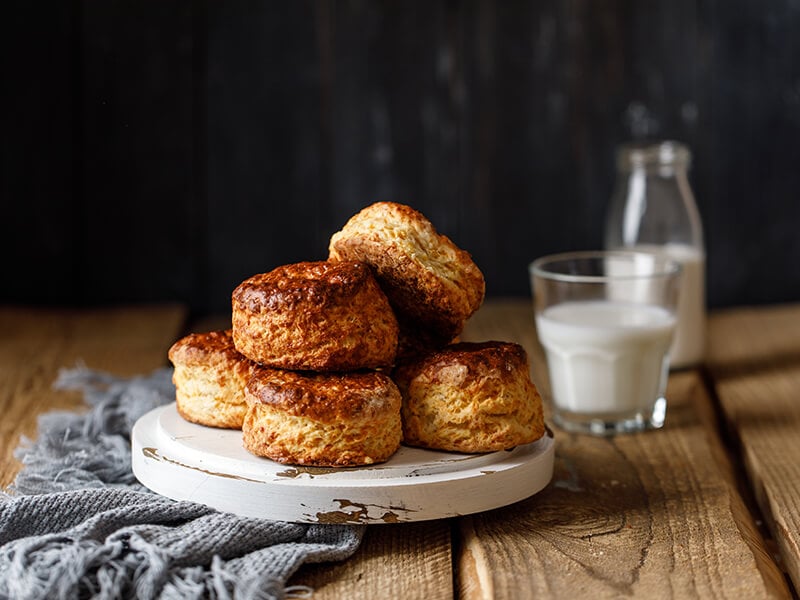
point(606, 320)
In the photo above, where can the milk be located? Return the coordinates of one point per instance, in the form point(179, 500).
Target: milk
point(606, 358)
point(688, 345)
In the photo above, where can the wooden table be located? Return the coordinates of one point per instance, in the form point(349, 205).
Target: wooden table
point(709, 506)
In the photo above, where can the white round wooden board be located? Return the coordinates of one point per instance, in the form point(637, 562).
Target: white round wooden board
point(185, 461)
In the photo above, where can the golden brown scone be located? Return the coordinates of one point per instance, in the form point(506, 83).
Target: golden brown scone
point(209, 377)
point(319, 316)
point(322, 419)
point(470, 397)
point(428, 279)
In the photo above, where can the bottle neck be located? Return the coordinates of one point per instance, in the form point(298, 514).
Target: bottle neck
point(665, 159)
point(653, 202)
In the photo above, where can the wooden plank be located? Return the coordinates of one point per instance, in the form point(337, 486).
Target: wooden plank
point(40, 152)
point(35, 344)
point(265, 127)
point(754, 360)
point(409, 561)
point(652, 514)
point(138, 212)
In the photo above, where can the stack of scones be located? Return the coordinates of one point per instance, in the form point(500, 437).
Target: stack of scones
point(336, 362)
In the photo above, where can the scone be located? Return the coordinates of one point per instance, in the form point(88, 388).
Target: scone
point(322, 419)
point(430, 282)
point(470, 397)
point(210, 377)
point(319, 316)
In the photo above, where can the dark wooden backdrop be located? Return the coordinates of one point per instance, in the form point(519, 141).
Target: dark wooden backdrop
point(165, 150)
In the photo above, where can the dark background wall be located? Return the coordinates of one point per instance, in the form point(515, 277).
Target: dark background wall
point(166, 150)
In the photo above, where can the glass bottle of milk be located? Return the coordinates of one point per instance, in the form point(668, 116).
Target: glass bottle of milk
point(653, 209)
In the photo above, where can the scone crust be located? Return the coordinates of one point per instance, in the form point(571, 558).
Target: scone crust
point(322, 419)
point(320, 316)
point(428, 279)
point(470, 397)
point(210, 377)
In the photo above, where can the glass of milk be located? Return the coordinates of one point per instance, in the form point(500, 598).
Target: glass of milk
point(606, 320)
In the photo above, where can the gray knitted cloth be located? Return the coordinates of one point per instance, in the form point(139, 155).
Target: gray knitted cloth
point(77, 524)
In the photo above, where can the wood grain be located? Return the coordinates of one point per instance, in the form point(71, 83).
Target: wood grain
point(754, 360)
point(35, 344)
point(221, 139)
point(408, 561)
point(651, 514)
point(658, 514)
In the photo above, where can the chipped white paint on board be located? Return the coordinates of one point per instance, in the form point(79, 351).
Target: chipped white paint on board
point(185, 461)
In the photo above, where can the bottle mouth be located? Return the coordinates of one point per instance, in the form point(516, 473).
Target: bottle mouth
point(667, 153)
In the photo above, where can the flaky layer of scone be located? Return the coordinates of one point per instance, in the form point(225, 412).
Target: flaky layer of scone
point(321, 316)
point(322, 419)
point(433, 285)
point(470, 397)
point(210, 376)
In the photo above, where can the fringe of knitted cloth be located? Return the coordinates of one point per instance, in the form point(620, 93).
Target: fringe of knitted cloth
point(77, 524)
